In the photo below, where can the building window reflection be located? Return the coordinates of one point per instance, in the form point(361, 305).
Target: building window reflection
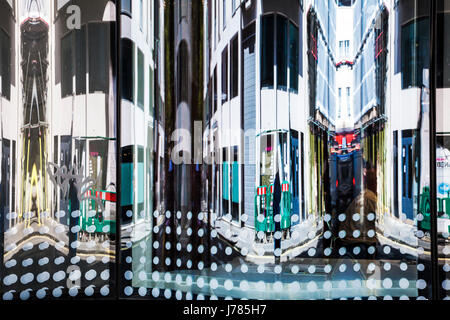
point(127, 69)
point(267, 51)
point(76, 62)
point(282, 52)
point(5, 68)
point(293, 57)
point(140, 80)
point(415, 53)
point(126, 6)
point(224, 73)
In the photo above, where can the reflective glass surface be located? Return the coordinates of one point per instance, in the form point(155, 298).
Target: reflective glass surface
point(224, 149)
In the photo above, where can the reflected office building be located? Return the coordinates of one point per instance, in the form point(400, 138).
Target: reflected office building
point(255, 149)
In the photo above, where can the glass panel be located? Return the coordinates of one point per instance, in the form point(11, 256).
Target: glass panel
point(321, 222)
point(57, 153)
point(322, 192)
point(442, 149)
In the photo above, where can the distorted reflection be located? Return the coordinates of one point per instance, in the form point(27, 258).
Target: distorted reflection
point(58, 150)
point(267, 149)
point(311, 94)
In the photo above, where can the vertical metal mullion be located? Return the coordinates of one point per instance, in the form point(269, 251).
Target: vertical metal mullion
point(118, 144)
point(433, 188)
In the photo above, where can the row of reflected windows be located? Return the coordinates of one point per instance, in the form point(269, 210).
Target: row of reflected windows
point(132, 63)
point(282, 37)
point(87, 50)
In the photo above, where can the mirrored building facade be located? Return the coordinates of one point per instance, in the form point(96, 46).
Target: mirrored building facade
point(224, 149)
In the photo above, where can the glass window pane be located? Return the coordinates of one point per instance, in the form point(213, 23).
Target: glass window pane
point(140, 80)
point(282, 52)
point(5, 59)
point(415, 52)
point(443, 51)
point(151, 92)
point(234, 67)
point(127, 69)
point(293, 57)
point(99, 56)
point(224, 75)
point(267, 51)
point(67, 62)
point(80, 60)
point(126, 6)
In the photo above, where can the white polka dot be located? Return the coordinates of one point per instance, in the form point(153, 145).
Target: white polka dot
point(311, 286)
point(404, 283)
point(446, 284)
point(387, 283)
point(278, 286)
point(327, 285)
point(421, 284)
point(155, 292)
point(228, 284)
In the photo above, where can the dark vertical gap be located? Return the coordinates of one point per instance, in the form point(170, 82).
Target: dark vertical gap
point(433, 188)
point(118, 144)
